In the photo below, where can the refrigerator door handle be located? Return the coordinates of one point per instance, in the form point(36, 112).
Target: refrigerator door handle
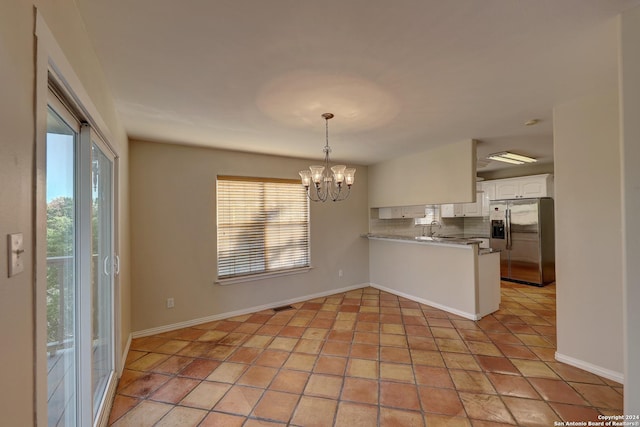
point(508, 227)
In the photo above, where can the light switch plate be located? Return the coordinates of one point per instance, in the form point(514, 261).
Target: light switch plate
point(16, 253)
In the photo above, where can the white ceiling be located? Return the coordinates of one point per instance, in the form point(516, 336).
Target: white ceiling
point(400, 76)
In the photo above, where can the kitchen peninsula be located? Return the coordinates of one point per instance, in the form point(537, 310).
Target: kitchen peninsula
point(454, 275)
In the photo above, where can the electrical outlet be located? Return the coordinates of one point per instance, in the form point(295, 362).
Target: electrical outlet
point(340, 273)
point(170, 303)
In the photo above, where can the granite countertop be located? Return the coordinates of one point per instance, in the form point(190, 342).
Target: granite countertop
point(442, 240)
point(450, 240)
point(469, 235)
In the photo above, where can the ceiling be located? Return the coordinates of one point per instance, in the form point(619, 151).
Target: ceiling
point(400, 76)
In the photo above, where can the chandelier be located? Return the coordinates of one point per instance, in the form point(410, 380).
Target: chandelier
point(328, 183)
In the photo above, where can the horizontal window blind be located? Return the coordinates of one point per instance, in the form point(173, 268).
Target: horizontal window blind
point(263, 226)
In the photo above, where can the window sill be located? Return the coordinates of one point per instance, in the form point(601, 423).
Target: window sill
point(261, 276)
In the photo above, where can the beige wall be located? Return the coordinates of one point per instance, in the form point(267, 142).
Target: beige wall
point(418, 179)
point(630, 103)
point(17, 150)
point(16, 176)
point(589, 230)
point(174, 235)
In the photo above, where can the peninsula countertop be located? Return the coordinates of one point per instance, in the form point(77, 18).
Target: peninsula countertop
point(432, 240)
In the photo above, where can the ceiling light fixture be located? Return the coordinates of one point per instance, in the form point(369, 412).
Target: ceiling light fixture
point(328, 182)
point(508, 157)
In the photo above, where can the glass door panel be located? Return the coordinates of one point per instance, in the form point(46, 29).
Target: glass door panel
point(62, 345)
point(102, 273)
point(80, 273)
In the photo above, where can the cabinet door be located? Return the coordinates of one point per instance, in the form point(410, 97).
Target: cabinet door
point(533, 187)
point(417, 211)
point(488, 194)
point(401, 212)
point(489, 189)
point(450, 210)
point(389, 213)
point(507, 189)
point(473, 209)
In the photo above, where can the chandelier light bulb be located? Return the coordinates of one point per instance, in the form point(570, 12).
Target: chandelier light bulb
point(338, 173)
point(349, 176)
point(316, 173)
point(305, 175)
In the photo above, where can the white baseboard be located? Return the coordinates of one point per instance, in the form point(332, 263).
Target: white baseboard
point(589, 367)
point(249, 310)
point(455, 311)
point(125, 352)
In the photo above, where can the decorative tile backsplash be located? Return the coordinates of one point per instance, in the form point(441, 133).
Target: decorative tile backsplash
point(475, 226)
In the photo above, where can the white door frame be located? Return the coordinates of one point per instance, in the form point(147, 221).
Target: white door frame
point(52, 64)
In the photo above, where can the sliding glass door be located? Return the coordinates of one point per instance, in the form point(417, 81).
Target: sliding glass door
point(63, 132)
point(80, 268)
point(102, 271)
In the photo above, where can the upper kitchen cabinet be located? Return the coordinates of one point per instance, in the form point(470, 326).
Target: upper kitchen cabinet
point(451, 210)
point(445, 174)
point(473, 209)
point(417, 211)
point(524, 187)
point(488, 194)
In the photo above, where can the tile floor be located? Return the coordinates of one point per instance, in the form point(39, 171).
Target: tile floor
point(363, 358)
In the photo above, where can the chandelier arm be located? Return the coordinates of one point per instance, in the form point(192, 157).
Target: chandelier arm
point(335, 196)
point(310, 194)
point(345, 195)
point(321, 192)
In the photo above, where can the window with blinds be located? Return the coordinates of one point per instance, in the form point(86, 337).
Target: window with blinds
point(263, 226)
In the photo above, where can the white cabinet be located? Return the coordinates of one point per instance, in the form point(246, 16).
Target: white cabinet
point(417, 211)
point(389, 213)
point(499, 189)
point(473, 209)
point(507, 189)
point(524, 187)
point(535, 187)
point(451, 210)
point(488, 194)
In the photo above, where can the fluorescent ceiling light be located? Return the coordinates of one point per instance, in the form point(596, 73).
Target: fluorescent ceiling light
point(507, 157)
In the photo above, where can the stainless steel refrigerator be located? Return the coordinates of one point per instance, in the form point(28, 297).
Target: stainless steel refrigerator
point(523, 231)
